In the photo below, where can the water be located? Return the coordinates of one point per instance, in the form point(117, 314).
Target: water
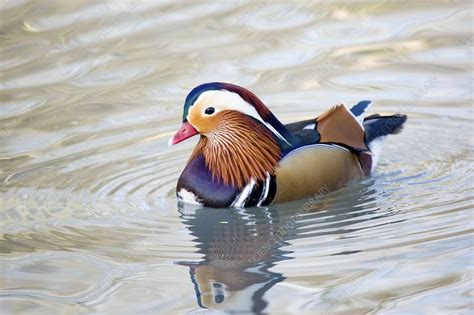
point(91, 92)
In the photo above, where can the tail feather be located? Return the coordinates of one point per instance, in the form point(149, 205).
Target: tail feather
point(378, 126)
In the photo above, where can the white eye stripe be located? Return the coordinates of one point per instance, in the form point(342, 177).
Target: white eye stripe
point(232, 101)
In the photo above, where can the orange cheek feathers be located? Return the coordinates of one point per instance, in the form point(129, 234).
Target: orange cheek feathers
point(204, 124)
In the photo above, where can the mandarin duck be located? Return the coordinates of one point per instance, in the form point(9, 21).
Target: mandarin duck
point(246, 157)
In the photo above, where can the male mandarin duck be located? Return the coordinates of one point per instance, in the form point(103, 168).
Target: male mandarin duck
point(246, 157)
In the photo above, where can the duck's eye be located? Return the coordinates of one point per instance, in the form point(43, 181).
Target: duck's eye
point(209, 111)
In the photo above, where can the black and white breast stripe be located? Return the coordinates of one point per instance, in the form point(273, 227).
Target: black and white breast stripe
point(256, 194)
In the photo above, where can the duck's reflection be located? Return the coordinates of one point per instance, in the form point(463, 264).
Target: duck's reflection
point(239, 248)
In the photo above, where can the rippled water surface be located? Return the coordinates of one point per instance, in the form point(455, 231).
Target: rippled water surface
point(91, 92)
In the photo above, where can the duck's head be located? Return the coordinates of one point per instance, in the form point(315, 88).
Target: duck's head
point(241, 140)
point(209, 105)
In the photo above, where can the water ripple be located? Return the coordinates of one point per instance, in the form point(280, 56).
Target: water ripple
point(92, 91)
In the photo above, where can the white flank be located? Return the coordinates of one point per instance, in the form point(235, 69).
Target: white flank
point(226, 100)
point(243, 196)
point(376, 147)
point(188, 197)
point(310, 126)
